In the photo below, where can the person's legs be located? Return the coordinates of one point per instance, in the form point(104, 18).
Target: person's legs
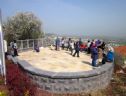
point(37, 50)
point(68, 48)
point(15, 52)
point(104, 59)
point(12, 52)
point(71, 51)
point(88, 50)
point(94, 62)
point(55, 47)
point(77, 53)
point(63, 46)
point(58, 47)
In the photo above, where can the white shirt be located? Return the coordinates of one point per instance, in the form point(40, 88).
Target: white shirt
point(62, 42)
point(72, 45)
point(110, 48)
point(88, 44)
point(15, 45)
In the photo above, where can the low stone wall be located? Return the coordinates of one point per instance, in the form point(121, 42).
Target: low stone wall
point(69, 82)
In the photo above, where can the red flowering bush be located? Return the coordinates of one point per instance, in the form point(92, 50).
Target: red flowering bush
point(121, 50)
point(120, 58)
point(18, 82)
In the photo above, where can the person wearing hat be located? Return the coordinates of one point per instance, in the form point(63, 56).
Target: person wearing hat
point(94, 54)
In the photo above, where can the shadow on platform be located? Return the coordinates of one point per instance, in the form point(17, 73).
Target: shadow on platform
point(86, 62)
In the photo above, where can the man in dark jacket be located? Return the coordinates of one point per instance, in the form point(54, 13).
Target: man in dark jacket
point(57, 43)
point(94, 55)
point(68, 46)
point(77, 49)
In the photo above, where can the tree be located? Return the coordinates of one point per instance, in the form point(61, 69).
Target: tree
point(24, 25)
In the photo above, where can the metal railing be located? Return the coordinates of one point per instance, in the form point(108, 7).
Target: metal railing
point(31, 43)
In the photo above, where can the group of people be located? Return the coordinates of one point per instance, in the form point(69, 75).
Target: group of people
point(99, 50)
point(13, 49)
point(69, 44)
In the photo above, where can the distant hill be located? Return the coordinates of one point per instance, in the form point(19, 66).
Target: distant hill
point(50, 34)
point(118, 40)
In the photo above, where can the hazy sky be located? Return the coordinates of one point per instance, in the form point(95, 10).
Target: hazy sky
point(79, 17)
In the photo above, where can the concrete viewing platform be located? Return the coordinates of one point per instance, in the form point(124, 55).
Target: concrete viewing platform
point(59, 72)
point(57, 61)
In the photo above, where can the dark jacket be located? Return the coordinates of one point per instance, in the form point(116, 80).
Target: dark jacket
point(77, 46)
point(58, 41)
point(94, 53)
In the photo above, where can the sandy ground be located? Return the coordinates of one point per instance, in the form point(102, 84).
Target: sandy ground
point(57, 61)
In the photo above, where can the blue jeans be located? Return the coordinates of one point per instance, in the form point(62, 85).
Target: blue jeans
point(94, 62)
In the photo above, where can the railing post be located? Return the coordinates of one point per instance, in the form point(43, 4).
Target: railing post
point(42, 42)
point(37, 42)
point(21, 45)
point(33, 44)
point(27, 44)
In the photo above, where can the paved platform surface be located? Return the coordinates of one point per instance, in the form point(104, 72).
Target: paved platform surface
point(57, 61)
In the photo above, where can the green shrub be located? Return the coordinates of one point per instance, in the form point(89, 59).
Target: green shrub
point(2, 93)
point(1, 81)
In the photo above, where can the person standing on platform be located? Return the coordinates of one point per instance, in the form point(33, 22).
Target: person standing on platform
point(110, 54)
point(5, 48)
point(80, 41)
point(37, 48)
point(88, 47)
point(71, 46)
point(62, 43)
point(14, 46)
point(68, 45)
point(57, 43)
point(94, 54)
point(77, 49)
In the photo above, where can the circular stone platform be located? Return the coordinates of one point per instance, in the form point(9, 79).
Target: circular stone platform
point(59, 72)
point(57, 61)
